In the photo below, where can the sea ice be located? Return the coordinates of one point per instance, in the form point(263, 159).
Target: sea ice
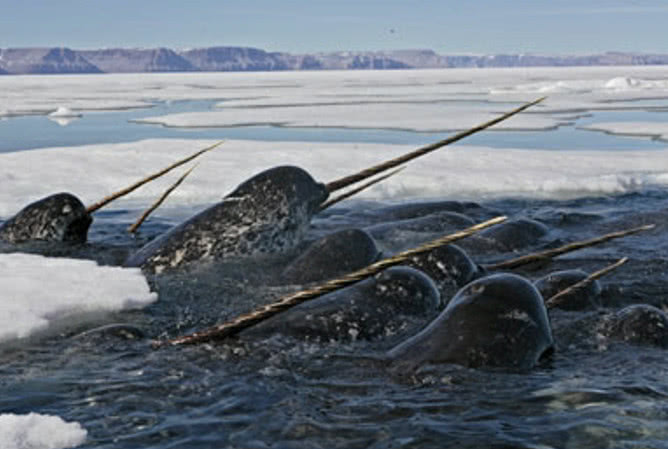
point(456, 172)
point(37, 291)
point(422, 118)
point(395, 94)
point(35, 431)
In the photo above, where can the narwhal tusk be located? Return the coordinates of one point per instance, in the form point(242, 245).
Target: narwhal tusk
point(160, 200)
point(108, 199)
point(366, 185)
point(517, 262)
point(247, 320)
point(362, 175)
point(556, 299)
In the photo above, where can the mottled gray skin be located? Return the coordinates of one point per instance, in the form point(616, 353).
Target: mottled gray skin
point(331, 256)
point(450, 268)
point(57, 218)
point(266, 214)
point(498, 321)
point(639, 324)
point(584, 298)
point(381, 306)
point(516, 234)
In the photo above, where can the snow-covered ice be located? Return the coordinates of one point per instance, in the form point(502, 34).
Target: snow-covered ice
point(35, 431)
point(317, 96)
point(37, 291)
point(433, 117)
point(93, 171)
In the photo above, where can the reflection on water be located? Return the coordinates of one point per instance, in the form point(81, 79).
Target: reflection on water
point(63, 121)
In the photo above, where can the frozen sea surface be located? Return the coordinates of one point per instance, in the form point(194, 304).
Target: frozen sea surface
point(88, 358)
point(412, 107)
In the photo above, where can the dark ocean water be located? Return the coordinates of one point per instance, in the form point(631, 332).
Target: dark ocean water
point(283, 392)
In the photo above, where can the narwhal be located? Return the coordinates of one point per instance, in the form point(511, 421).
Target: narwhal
point(267, 214)
point(62, 217)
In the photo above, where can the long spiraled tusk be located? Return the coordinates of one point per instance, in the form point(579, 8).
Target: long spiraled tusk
point(245, 321)
point(108, 199)
point(366, 185)
point(556, 299)
point(160, 200)
point(371, 171)
point(550, 253)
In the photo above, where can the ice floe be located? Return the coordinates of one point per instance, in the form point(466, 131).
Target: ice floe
point(37, 291)
point(36, 431)
point(431, 117)
point(322, 98)
point(93, 171)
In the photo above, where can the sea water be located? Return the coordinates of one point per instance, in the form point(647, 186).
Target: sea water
point(283, 392)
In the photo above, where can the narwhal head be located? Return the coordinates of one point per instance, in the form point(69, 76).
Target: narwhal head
point(286, 184)
point(497, 321)
point(57, 218)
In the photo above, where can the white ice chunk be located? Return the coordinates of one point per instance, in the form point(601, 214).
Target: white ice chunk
point(35, 431)
point(37, 291)
point(63, 112)
point(622, 82)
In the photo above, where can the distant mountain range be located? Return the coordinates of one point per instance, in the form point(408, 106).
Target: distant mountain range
point(234, 59)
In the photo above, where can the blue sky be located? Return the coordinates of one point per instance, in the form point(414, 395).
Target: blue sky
point(446, 26)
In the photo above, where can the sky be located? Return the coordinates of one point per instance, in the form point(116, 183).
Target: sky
point(445, 26)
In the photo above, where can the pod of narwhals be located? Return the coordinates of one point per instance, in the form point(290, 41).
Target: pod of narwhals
point(485, 320)
point(475, 318)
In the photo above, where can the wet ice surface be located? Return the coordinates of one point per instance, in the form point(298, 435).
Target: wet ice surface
point(102, 373)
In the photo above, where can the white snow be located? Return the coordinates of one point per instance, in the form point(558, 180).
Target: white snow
point(37, 291)
point(93, 171)
point(35, 431)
